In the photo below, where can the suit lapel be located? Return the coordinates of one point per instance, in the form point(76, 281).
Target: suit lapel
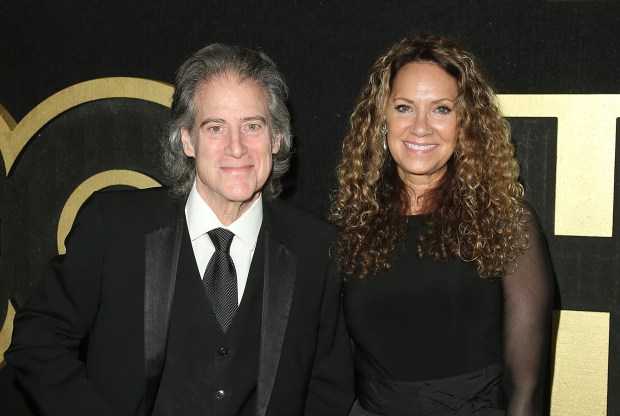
point(279, 282)
point(161, 260)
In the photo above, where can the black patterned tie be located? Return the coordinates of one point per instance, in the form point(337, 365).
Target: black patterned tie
point(220, 279)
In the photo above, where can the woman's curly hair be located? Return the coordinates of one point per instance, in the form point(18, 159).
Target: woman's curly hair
point(475, 213)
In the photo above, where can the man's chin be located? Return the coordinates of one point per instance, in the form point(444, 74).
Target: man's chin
point(242, 196)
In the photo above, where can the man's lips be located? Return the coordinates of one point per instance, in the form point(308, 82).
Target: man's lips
point(236, 169)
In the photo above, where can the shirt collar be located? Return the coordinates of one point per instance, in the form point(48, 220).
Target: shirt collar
point(201, 219)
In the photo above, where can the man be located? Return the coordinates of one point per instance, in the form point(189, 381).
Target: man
point(179, 319)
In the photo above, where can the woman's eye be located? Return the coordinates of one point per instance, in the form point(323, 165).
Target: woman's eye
point(403, 108)
point(443, 109)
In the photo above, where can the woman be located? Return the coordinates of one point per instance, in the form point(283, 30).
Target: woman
point(448, 284)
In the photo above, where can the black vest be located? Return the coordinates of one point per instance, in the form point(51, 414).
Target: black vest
point(207, 372)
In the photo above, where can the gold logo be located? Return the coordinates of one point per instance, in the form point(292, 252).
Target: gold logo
point(15, 136)
point(586, 150)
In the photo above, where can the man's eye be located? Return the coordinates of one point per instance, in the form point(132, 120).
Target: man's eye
point(215, 129)
point(254, 127)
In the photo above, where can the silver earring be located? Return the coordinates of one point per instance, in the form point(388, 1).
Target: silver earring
point(384, 135)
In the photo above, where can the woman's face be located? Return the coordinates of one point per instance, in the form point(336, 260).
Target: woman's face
point(422, 123)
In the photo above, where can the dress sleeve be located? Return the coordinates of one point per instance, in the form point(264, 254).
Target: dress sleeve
point(528, 288)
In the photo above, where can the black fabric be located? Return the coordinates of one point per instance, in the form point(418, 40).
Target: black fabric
point(220, 278)
point(280, 265)
point(426, 320)
point(159, 282)
point(96, 292)
point(208, 371)
point(528, 299)
point(477, 393)
point(12, 398)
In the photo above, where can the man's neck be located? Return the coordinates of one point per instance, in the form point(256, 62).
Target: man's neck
point(229, 211)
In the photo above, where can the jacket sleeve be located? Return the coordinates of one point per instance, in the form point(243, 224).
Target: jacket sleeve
point(51, 328)
point(331, 388)
point(528, 300)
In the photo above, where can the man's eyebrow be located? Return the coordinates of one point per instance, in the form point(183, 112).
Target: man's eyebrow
point(252, 118)
point(243, 120)
point(211, 120)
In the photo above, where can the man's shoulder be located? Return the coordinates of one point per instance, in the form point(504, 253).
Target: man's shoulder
point(128, 198)
point(287, 216)
point(132, 203)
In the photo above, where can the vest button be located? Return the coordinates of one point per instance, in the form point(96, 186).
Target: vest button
point(223, 351)
point(220, 394)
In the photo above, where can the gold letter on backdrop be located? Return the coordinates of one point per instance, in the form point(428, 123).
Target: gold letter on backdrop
point(92, 184)
point(586, 150)
point(14, 137)
point(580, 366)
point(6, 331)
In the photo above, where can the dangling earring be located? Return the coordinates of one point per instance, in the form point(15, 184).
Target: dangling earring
point(384, 135)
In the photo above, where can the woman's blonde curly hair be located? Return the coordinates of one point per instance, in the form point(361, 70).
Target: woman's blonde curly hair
point(476, 212)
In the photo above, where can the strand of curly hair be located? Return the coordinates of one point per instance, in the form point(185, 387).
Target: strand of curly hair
point(476, 213)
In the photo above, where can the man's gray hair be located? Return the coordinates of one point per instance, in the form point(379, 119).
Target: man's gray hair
point(210, 62)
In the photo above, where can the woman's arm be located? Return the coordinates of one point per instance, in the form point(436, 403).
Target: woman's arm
point(528, 289)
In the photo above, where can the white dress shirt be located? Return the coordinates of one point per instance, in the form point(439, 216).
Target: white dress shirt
point(201, 219)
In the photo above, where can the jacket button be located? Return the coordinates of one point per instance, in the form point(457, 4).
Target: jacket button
point(223, 351)
point(220, 394)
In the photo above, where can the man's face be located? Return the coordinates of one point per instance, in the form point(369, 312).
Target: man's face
point(231, 142)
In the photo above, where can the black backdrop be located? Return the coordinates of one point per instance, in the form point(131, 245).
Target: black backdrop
point(325, 49)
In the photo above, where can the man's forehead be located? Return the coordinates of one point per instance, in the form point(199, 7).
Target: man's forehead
point(222, 85)
point(230, 78)
point(223, 97)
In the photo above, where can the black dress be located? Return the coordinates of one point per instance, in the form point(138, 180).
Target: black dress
point(432, 338)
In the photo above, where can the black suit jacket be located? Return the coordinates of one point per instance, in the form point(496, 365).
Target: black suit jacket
point(113, 290)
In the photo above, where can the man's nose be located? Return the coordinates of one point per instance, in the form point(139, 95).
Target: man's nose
point(236, 145)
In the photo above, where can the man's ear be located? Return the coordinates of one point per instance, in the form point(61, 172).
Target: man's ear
point(275, 143)
point(188, 144)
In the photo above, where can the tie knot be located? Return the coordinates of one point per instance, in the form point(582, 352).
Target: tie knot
point(221, 238)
